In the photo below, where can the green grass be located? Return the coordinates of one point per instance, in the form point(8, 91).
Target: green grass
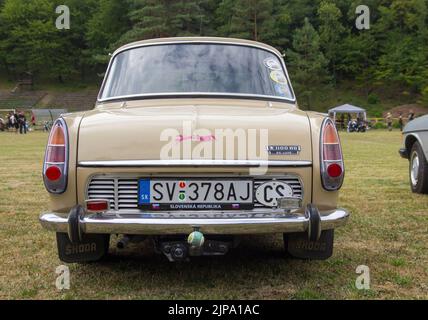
point(388, 232)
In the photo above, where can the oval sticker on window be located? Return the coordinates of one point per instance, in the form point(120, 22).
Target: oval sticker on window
point(281, 90)
point(272, 64)
point(278, 77)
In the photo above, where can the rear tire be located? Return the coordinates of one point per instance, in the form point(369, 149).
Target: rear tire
point(418, 170)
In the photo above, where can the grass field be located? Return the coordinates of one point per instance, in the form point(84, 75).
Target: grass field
point(388, 232)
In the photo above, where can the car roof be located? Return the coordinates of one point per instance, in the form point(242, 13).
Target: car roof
point(196, 40)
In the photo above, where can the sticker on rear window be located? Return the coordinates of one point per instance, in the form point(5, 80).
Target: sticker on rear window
point(281, 90)
point(272, 64)
point(278, 77)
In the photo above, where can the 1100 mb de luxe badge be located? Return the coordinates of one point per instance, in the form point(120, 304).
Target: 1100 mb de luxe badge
point(283, 150)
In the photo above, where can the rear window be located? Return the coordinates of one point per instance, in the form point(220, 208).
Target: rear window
point(196, 69)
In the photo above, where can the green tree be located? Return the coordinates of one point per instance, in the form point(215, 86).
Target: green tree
point(404, 58)
point(248, 19)
point(3, 35)
point(223, 17)
point(393, 53)
point(357, 59)
point(281, 36)
point(32, 42)
point(299, 10)
point(207, 17)
point(306, 61)
point(187, 18)
point(425, 96)
point(73, 40)
point(165, 18)
point(331, 30)
point(149, 20)
point(109, 22)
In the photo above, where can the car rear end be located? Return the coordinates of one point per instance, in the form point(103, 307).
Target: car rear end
point(93, 199)
point(216, 149)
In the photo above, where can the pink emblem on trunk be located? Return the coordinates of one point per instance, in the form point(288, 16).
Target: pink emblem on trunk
point(181, 138)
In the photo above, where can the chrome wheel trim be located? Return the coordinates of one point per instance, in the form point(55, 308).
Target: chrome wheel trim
point(414, 169)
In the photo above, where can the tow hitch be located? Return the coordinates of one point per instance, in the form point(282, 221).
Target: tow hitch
point(180, 248)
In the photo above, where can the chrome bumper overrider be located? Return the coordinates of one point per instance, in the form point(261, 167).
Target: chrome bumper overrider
point(156, 223)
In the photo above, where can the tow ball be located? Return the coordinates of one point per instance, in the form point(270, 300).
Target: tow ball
point(196, 240)
point(195, 244)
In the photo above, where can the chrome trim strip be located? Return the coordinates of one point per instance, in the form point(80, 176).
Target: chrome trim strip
point(196, 94)
point(190, 163)
point(150, 224)
point(254, 45)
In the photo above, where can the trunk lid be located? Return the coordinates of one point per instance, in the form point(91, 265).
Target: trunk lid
point(146, 129)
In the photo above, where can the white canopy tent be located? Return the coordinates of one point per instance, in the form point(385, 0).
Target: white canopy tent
point(347, 108)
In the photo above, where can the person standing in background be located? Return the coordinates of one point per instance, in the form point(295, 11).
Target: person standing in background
point(400, 121)
point(411, 116)
point(16, 122)
point(389, 121)
point(10, 121)
point(342, 121)
point(22, 123)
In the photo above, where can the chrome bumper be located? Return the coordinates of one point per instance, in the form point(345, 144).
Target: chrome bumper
point(157, 223)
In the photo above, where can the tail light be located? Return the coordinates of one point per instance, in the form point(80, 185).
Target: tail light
point(97, 205)
point(55, 166)
point(332, 167)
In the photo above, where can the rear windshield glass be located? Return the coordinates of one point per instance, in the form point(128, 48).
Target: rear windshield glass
point(196, 68)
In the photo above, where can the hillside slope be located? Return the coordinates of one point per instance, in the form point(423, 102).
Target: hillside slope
point(80, 97)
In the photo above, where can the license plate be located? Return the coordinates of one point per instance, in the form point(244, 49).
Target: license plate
point(195, 194)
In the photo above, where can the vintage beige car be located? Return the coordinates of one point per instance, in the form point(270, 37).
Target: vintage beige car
point(192, 143)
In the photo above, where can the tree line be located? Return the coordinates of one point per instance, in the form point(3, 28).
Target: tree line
point(319, 38)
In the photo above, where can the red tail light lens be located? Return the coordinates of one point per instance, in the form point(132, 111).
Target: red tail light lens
point(53, 173)
point(334, 170)
point(332, 167)
point(55, 166)
point(55, 154)
point(97, 205)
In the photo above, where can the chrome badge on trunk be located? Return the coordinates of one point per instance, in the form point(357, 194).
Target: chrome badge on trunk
point(283, 150)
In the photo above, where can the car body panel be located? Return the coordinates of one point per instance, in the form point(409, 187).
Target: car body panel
point(321, 197)
point(416, 130)
point(284, 123)
point(64, 201)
